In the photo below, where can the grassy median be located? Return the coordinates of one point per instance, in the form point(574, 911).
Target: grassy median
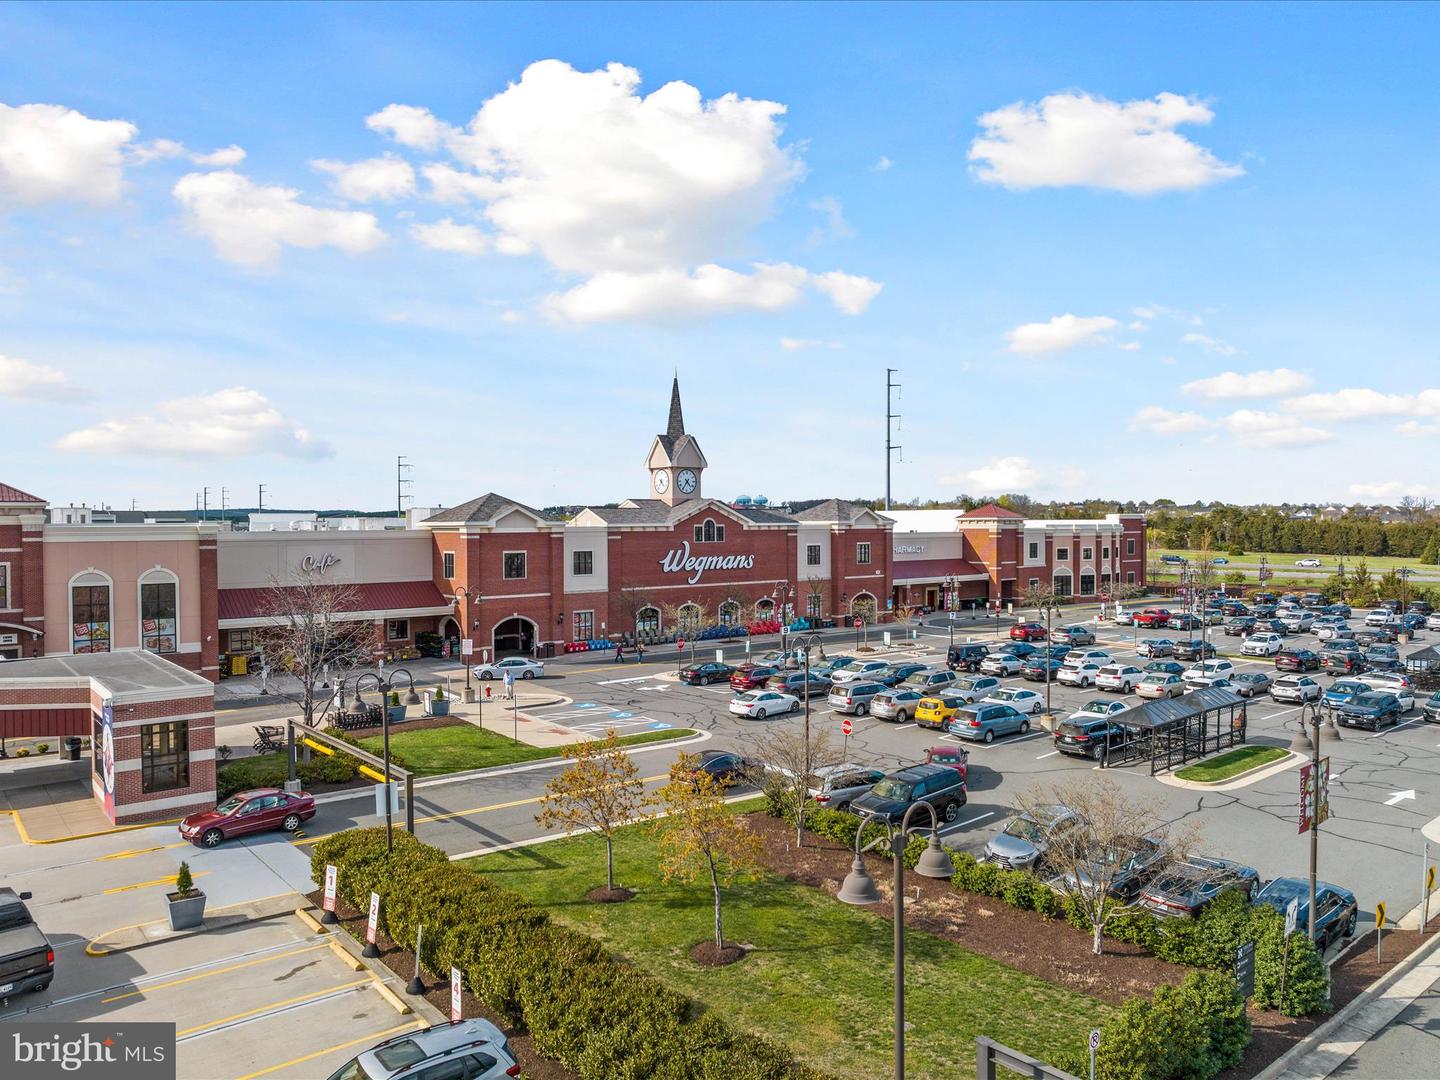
point(819, 977)
point(460, 747)
point(1231, 764)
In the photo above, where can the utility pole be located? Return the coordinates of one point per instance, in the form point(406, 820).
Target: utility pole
point(260, 498)
point(205, 506)
point(224, 494)
point(400, 482)
point(890, 447)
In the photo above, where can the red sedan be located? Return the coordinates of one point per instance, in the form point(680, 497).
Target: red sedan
point(1027, 631)
point(752, 676)
point(1153, 617)
point(248, 812)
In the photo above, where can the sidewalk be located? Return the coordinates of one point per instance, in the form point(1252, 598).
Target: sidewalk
point(47, 813)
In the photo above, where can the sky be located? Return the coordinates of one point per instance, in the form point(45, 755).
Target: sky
point(1122, 251)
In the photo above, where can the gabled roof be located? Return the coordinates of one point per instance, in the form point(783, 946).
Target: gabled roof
point(487, 507)
point(656, 512)
point(990, 512)
point(10, 494)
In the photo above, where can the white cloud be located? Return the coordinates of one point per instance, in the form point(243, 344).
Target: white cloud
point(1162, 421)
point(1415, 429)
point(249, 223)
point(49, 153)
point(678, 294)
point(223, 158)
point(449, 235)
point(1005, 474)
point(850, 294)
point(1156, 311)
point(1268, 430)
point(451, 185)
point(25, 380)
point(1137, 326)
point(790, 344)
point(1357, 403)
point(882, 164)
point(1275, 382)
point(409, 126)
point(165, 149)
point(1388, 490)
point(1077, 140)
point(384, 178)
point(1129, 346)
point(512, 316)
point(1059, 334)
point(1209, 344)
point(232, 423)
point(835, 227)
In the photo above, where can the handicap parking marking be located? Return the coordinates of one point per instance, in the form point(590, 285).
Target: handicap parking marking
point(659, 725)
point(587, 705)
point(621, 715)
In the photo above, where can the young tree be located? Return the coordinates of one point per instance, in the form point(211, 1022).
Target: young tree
point(311, 635)
point(815, 597)
point(635, 599)
point(599, 791)
point(700, 836)
point(791, 757)
point(1431, 555)
point(1362, 591)
point(1090, 857)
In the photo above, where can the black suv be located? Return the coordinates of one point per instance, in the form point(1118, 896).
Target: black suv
point(1089, 738)
point(1193, 649)
point(1346, 662)
point(1240, 626)
point(939, 785)
point(967, 657)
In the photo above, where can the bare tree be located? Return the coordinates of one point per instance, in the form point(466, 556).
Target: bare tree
point(635, 599)
point(599, 791)
point(311, 636)
point(1416, 507)
point(815, 597)
point(1115, 844)
point(790, 759)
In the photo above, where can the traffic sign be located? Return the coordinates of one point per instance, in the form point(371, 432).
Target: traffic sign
point(846, 726)
point(455, 991)
point(467, 647)
point(859, 623)
point(1380, 915)
point(1245, 968)
point(1430, 879)
point(679, 643)
point(1094, 1038)
point(1292, 915)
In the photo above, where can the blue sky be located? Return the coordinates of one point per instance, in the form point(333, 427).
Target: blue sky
point(1189, 250)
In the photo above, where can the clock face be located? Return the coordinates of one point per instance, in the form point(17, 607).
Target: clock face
point(662, 482)
point(686, 481)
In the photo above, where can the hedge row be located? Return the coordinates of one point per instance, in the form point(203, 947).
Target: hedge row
point(1206, 941)
point(241, 774)
point(601, 1017)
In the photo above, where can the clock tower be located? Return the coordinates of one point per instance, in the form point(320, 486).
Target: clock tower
point(675, 461)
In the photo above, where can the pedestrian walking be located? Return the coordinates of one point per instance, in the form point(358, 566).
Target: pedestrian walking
point(510, 685)
point(639, 652)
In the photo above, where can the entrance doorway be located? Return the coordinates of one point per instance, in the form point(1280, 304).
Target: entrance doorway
point(514, 637)
point(932, 597)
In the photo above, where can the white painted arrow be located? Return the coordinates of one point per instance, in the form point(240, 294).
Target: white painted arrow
point(1400, 796)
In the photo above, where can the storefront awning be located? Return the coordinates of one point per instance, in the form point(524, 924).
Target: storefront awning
point(240, 608)
point(934, 571)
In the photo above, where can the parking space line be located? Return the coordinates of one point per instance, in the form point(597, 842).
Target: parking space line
point(148, 884)
point(141, 851)
point(210, 974)
point(1397, 727)
point(967, 821)
point(378, 1036)
point(310, 998)
point(1042, 757)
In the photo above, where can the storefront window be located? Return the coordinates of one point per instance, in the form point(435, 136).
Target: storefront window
point(90, 618)
point(690, 618)
point(164, 756)
point(815, 605)
point(514, 565)
point(1087, 584)
point(647, 621)
point(242, 641)
point(764, 609)
point(397, 629)
point(1062, 585)
point(4, 585)
point(729, 613)
point(157, 616)
point(584, 626)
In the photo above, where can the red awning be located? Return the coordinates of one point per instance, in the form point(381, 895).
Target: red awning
point(924, 571)
point(386, 597)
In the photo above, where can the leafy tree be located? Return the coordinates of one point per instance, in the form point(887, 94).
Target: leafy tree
point(1431, 555)
point(700, 836)
point(1362, 589)
point(599, 791)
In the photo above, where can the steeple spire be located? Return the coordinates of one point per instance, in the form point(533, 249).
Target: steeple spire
point(676, 427)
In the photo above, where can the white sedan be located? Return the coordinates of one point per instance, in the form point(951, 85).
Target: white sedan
point(514, 665)
point(1099, 709)
point(758, 704)
point(1023, 701)
point(1310, 563)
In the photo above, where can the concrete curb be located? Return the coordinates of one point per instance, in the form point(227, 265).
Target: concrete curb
point(25, 836)
point(1239, 780)
point(387, 983)
point(1321, 1035)
point(156, 932)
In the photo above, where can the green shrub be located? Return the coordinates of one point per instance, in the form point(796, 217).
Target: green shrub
point(22, 752)
point(42, 748)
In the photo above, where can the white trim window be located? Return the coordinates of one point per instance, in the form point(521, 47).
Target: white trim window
point(1034, 549)
point(159, 611)
point(709, 533)
point(862, 553)
point(729, 613)
point(1087, 584)
point(1062, 585)
point(397, 629)
point(91, 607)
point(1034, 583)
point(647, 620)
point(1130, 547)
point(1062, 554)
point(1086, 554)
point(513, 566)
point(584, 625)
point(689, 619)
point(1130, 577)
point(1105, 552)
point(764, 609)
point(582, 563)
point(447, 564)
point(4, 586)
point(812, 554)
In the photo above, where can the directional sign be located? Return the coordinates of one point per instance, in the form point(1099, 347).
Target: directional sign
point(1245, 968)
point(1380, 915)
point(1430, 879)
point(846, 726)
point(330, 874)
point(455, 990)
point(1292, 915)
point(1399, 796)
point(373, 922)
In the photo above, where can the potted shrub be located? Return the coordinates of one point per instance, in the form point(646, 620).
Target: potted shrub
point(439, 704)
point(187, 903)
point(394, 708)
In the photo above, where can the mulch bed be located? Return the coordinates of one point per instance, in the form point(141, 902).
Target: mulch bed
point(420, 723)
point(708, 954)
point(1052, 950)
point(603, 895)
point(401, 961)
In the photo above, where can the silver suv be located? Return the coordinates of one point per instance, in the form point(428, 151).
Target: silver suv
point(898, 704)
point(835, 786)
point(854, 697)
point(460, 1050)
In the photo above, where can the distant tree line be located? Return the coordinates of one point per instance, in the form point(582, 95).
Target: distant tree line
point(1245, 528)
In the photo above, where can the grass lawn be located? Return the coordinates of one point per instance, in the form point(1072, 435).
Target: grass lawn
point(1232, 764)
point(820, 975)
point(1284, 560)
point(459, 747)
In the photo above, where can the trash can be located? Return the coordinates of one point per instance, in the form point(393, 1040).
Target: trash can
point(72, 748)
point(546, 650)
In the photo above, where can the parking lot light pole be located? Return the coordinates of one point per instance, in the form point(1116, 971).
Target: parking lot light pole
point(464, 594)
point(384, 687)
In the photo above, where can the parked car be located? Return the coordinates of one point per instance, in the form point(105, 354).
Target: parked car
point(1155, 647)
point(1219, 668)
point(897, 704)
point(1412, 622)
point(1022, 649)
point(1374, 635)
point(752, 676)
point(1309, 564)
point(785, 660)
point(1026, 837)
point(935, 710)
point(1128, 863)
point(1300, 622)
point(898, 673)
point(758, 704)
point(1122, 677)
point(1344, 611)
point(247, 812)
point(1097, 709)
point(1124, 618)
point(1251, 683)
point(1431, 709)
point(1337, 631)
point(1421, 607)
point(795, 682)
point(1343, 691)
point(705, 674)
point(1077, 657)
point(836, 786)
point(1336, 912)
point(966, 657)
point(1391, 681)
point(27, 959)
point(1155, 618)
point(1432, 622)
point(1018, 698)
point(930, 682)
point(1083, 675)
point(832, 664)
point(473, 1049)
point(1240, 626)
point(1343, 662)
point(1372, 710)
point(1379, 617)
point(985, 722)
point(1296, 689)
point(1001, 664)
point(1074, 635)
point(939, 785)
point(1236, 609)
point(1192, 649)
point(1158, 685)
point(1088, 737)
point(854, 697)
point(1184, 621)
point(971, 688)
point(1027, 631)
point(858, 670)
point(727, 767)
point(1185, 887)
point(952, 757)
point(1297, 660)
point(1312, 600)
point(517, 666)
point(1382, 658)
point(1039, 666)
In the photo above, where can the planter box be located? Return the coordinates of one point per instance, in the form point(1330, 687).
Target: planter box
point(440, 708)
point(396, 712)
point(186, 913)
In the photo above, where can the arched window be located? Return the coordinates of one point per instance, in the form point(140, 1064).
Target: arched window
point(689, 618)
point(1062, 585)
point(764, 609)
point(159, 611)
point(863, 606)
point(729, 613)
point(709, 533)
point(90, 621)
point(647, 620)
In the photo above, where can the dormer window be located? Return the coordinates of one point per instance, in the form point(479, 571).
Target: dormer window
point(709, 533)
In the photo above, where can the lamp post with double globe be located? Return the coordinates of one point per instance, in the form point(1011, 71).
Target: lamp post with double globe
point(385, 686)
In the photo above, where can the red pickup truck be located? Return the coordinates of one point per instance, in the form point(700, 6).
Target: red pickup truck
point(1153, 617)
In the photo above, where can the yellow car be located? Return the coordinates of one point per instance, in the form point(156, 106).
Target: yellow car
point(936, 712)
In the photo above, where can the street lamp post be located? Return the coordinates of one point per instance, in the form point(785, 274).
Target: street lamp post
point(464, 593)
point(859, 889)
point(1312, 720)
point(384, 687)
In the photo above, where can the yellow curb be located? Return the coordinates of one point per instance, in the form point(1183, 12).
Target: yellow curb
point(309, 920)
point(94, 948)
point(28, 839)
point(389, 995)
point(345, 957)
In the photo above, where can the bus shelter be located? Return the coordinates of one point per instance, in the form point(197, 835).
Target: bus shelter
point(1173, 732)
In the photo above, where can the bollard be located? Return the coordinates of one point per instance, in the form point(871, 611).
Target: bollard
point(415, 987)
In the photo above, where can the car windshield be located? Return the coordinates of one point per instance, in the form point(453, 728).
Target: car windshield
point(230, 805)
point(748, 697)
point(1025, 829)
point(965, 684)
point(1099, 705)
point(892, 789)
point(1005, 695)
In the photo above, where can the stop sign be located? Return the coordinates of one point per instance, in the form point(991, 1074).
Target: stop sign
point(679, 643)
point(859, 623)
point(846, 726)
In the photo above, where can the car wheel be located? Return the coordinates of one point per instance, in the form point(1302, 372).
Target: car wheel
point(759, 714)
point(291, 823)
point(989, 737)
point(902, 717)
point(488, 676)
point(861, 709)
point(951, 811)
point(1025, 726)
point(1351, 923)
point(528, 675)
point(211, 838)
point(1095, 752)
